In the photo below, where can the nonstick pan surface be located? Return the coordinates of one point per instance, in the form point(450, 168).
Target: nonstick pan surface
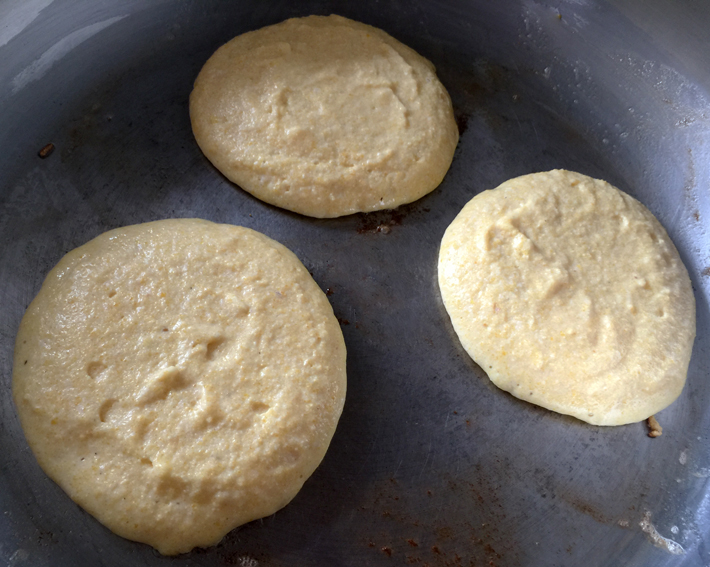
point(431, 464)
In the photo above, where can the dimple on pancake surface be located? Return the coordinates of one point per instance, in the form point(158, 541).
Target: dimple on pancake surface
point(324, 116)
point(570, 295)
point(179, 378)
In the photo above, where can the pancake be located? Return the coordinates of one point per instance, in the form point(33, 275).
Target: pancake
point(569, 294)
point(324, 116)
point(179, 378)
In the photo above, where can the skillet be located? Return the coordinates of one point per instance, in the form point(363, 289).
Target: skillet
point(431, 464)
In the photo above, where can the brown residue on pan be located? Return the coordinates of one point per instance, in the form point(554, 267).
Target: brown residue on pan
point(461, 121)
point(585, 508)
point(384, 221)
point(380, 221)
point(431, 539)
point(654, 428)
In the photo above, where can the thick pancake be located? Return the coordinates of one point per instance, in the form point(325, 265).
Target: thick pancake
point(324, 116)
point(179, 378)
point(570, 295)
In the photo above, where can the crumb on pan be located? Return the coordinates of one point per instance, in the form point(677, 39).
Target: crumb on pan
point(654, 428)
point(46, 151)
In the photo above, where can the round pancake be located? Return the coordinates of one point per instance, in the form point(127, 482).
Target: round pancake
point(570, 295)
point(179, 378)
point(324, 116)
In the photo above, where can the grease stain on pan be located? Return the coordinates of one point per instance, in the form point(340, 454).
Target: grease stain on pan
point(657, 539)
point(40, 66)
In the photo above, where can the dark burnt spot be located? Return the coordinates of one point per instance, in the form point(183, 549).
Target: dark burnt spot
point(412, 543)
point(343, 321)
point(381, 221)
point(490, 551)
point(706, 271)
point(387, 551)
point(476, 90)
point(696, 216)
point(329, 291)
point(46, 538)
point(461, 121)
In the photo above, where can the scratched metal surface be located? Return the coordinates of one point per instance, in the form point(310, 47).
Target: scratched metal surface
point(431, 465)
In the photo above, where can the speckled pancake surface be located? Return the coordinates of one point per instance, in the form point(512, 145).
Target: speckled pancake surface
point(179, 378)
point(569, 294)
point(324, 116)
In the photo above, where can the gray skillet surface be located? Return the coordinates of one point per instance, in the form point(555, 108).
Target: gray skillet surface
point(431, 464)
